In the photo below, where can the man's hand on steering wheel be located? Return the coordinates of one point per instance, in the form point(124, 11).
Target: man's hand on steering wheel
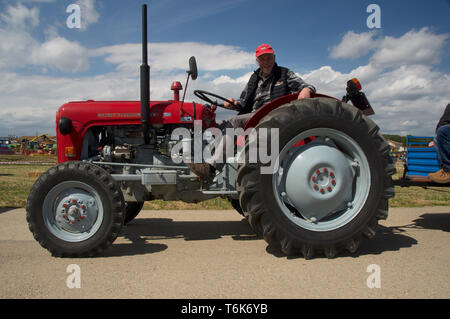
point(229, 105)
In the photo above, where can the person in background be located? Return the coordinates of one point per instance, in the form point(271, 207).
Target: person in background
point(442, 145)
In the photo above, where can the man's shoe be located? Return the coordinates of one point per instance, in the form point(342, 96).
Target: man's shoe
point(441, 176)
point(202, 170)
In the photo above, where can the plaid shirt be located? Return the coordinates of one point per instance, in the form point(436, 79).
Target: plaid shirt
point(263, 90)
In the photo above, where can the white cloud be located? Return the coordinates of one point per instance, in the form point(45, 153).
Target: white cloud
point(327, 81)
point(18, 49)
point(414, 47)
point(20, 17)
point(89, 14)
point(399, 80)
point(15, 46)
point(354, 45)
point(225, 79)
point(61, 54)
point(174, 56)
point(367, 73)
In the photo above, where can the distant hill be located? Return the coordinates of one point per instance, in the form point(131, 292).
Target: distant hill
point(396, 138)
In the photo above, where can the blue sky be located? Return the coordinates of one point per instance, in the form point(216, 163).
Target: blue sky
point(404, 66)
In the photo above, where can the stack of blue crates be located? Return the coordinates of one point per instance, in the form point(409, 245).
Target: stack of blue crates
point(420, 159)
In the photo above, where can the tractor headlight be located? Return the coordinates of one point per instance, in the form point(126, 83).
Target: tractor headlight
point(64, 125)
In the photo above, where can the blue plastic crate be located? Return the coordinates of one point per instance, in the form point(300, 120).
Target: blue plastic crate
point(420, 159)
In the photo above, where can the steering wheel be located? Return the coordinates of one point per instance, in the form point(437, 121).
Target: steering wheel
point(204, 96)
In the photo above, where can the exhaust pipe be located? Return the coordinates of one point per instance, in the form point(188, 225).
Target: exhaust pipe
point(145, 80)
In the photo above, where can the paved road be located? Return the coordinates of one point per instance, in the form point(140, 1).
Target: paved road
point(214, 254)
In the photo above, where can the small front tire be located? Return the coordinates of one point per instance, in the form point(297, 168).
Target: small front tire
point(75, 209)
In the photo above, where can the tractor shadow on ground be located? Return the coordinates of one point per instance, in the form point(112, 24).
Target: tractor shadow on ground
point(391, 238)
point(7, 209)
point(143, 232)
point(394, 237)
point(385, 239)
point(436, 221)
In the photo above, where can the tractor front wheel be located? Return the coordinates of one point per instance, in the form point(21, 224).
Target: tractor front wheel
point(75, 210)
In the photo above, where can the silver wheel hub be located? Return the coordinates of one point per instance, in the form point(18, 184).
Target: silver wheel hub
point(73, 211)
point(324, 183)
point(319, 181)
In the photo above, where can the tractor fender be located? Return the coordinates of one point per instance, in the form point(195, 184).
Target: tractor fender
point(269, 107)
point(266, 109)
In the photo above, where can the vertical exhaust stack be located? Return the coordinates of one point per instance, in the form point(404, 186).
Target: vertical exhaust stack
point(145, 80)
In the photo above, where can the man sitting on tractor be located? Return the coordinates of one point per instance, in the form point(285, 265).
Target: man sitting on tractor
point(267, 83)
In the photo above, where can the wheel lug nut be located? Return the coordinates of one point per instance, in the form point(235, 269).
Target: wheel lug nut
point(316, 187)
point(322, 190)
point(318, 171)
point(314, 178)
point(331, 174)
point(329, 188)
point(333, 182)
point(74, 201)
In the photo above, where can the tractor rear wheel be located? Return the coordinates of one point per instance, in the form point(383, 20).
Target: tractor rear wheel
point(331, 182)
point(75, 209)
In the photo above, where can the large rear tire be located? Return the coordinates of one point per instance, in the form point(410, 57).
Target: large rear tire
point(332, 184)
point(75, 209)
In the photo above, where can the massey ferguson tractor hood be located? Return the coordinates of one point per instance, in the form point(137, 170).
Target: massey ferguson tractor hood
point(90, 113)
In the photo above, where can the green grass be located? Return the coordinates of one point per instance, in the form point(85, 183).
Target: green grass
point(418, 197)
point(15, 183)
point(23, 158)
point(415, 196)
point(17, 179)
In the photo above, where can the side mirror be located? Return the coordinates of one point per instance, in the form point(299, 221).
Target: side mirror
point(193, 68)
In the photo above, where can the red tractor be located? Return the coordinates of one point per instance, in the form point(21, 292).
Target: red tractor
point(330, 187)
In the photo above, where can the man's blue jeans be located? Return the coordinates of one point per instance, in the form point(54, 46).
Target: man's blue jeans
point(442, 144)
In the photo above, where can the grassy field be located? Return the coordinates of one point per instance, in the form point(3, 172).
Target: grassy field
point(38, 158)
point(418, 196)
point(17, 179)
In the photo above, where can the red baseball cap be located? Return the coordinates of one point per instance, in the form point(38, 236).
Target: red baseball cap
point(263, 49)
